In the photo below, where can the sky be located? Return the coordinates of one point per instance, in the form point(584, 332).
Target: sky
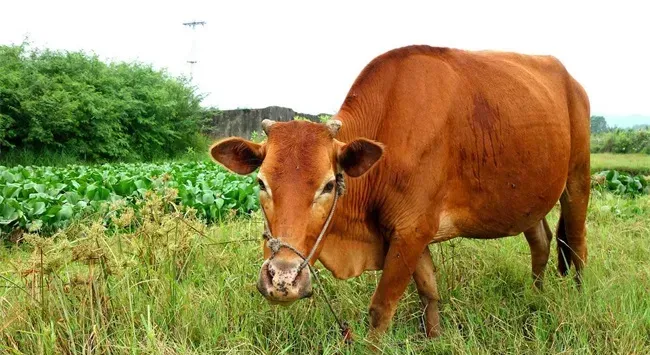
point(306, 54)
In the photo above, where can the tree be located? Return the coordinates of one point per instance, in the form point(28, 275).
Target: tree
point(598, 124)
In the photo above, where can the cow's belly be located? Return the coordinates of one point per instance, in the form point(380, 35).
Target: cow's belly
point(498, 217)
point(509, 194)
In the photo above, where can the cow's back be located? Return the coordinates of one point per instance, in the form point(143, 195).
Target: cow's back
point(479, 141)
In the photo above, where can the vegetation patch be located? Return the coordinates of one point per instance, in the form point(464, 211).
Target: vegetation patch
point(622, 141)
point(621, 183)
point(46, 198)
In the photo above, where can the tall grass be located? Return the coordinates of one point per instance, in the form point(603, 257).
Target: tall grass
point(160, 283)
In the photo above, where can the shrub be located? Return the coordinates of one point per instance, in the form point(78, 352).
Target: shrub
point(74, 104)
point(621, 141)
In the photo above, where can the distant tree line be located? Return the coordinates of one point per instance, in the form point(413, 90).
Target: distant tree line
point(72, 102)
point(598, 124)
point(605, 139)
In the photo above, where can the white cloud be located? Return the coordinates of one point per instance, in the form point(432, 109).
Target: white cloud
point(305, 55)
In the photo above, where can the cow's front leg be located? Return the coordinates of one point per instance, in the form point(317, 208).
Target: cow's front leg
point(400, 263)
point(425, 280)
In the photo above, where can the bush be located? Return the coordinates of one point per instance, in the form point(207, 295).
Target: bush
point(74, 104)
point(621, 141)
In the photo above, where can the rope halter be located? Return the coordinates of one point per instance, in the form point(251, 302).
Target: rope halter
point(276, 244)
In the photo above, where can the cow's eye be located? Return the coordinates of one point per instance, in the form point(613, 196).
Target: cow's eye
point(261, 183)
point(329, 187)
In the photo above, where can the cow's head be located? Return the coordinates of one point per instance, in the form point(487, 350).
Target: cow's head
point(298, 163)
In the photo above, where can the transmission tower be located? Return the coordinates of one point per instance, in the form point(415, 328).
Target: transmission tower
point(192, 61)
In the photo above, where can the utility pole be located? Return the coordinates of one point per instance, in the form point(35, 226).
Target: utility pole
point(192, 61)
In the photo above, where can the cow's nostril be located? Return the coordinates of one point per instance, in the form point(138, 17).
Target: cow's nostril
point(270, 272)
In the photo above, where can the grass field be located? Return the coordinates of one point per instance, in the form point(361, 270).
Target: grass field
point(630, 163)
point(164, 286)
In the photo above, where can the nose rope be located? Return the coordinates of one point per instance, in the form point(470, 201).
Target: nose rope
point(276, 244)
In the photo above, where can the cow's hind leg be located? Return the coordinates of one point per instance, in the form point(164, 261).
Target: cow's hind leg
point(571, 234)
point(539, 239)
point(425, 280)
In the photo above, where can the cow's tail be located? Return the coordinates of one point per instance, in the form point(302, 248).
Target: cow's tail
point(563, 249)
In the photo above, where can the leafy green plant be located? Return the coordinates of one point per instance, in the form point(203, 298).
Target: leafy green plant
point(47, 198)
point(621, 183)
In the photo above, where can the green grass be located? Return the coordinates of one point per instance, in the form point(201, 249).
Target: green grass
point(162, 285)
point(630, 163)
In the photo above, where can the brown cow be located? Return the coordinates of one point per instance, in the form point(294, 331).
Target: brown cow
point(434, 143)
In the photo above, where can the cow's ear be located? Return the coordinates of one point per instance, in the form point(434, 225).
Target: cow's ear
point(238, 155)
point(358, 156)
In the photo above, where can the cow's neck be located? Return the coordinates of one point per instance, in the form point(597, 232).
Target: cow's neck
point(355, 241)
point(351, 216)
point(361, 117)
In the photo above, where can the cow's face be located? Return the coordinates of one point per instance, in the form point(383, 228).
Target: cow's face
point(298, 164)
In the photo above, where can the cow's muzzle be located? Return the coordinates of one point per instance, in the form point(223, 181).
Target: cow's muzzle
point(284, 281)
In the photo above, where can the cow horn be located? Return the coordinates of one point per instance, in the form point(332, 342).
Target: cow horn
point(266, 125)
point(333, 126)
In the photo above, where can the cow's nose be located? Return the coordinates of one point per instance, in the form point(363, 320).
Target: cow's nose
point(282, 281)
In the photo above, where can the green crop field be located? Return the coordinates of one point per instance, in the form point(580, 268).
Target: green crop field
point(112, 268)
point(47, 198)
point(631, 163)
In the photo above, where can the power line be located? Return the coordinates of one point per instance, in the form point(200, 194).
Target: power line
point(193, 25)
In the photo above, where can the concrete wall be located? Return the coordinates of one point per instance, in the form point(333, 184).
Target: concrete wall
point(242, 122)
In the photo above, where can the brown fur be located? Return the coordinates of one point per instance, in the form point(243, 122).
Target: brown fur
point(472, 144)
